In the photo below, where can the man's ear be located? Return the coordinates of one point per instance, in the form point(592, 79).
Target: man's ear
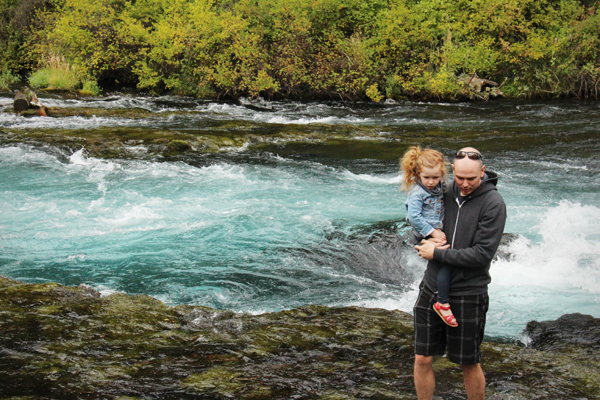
point(482, 171)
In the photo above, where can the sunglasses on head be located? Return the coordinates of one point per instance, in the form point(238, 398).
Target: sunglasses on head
point(471, 154)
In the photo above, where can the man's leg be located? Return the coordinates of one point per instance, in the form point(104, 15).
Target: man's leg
point(474, 381)
point(424, 377)
point(464, 342)
point(430, 340)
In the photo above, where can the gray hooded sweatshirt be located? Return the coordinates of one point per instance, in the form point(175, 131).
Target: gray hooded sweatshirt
point(474, 230)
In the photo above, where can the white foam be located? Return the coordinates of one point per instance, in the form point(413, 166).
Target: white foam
point(97, 170)
point(106, 291)
point(567, 258)
point(314, 120)
point(566, 165)
point(109, 230)
point(558, 273)
point(391, 300)
point(383, 179)
point(27, 156)
point(18, 122)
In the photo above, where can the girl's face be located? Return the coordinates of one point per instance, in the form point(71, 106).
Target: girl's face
point(430, 177)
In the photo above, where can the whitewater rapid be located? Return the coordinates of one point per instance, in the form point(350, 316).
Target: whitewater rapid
point(237, 236)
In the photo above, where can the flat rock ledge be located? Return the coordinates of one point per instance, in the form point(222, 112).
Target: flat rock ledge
point(171, 144)
point(59, 342)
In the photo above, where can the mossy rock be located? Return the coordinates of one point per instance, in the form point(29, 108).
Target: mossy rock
point(68, 342)
point(179, 145)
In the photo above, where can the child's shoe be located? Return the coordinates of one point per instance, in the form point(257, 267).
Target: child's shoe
point(448, 319)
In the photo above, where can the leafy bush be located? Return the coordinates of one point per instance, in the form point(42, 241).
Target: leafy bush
point(40, 79)
point(7, 78)
point(90, 88)
point(325, 48)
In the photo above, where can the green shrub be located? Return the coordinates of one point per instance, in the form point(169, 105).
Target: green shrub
point(7, 78)
point(40, 79)
point(90, 88)
point(54, 78)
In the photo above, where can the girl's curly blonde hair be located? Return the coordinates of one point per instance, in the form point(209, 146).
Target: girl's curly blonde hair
point(415, 159)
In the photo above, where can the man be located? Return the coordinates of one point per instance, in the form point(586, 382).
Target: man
point(474, 220)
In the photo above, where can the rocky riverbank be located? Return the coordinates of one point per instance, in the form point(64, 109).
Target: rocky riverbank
point(70, 343)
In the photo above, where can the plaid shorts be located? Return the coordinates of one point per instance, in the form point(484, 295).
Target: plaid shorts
point(432, 335)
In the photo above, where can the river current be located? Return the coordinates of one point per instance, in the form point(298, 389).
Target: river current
point(301, 222)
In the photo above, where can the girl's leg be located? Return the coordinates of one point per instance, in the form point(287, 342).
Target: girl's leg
point(442, 307)
point(443, 284)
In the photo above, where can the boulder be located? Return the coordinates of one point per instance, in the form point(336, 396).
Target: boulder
point(570, 330)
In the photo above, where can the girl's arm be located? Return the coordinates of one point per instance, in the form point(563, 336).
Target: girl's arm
point(415, 213)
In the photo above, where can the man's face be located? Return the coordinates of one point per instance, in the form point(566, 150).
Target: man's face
point(467, 175)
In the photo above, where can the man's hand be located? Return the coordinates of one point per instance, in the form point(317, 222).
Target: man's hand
point(428, 246)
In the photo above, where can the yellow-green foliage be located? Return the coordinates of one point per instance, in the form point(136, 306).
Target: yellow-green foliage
point(56, 74)
point(7, 78)
point(534, 47)
point(316, 48)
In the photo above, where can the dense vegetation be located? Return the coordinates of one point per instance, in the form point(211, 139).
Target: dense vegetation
point(353, 49)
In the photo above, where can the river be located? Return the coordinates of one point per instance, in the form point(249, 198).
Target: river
point(299, 222)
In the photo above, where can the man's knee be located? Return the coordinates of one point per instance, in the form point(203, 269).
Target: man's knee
point(423, 361)
point(471, 368)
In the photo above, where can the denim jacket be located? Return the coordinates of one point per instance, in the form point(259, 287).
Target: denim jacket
point(425, 211)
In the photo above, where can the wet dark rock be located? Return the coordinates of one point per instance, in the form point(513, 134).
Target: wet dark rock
point(375, 251)
point(381, 252)
point(179, 145)
point(503, 251)
point(59, 342)
point(569, 330)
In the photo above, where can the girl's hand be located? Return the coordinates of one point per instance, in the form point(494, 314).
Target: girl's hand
point(438, 241)
point(438, 234)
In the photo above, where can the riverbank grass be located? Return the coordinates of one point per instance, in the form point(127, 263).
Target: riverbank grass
point(58, 74)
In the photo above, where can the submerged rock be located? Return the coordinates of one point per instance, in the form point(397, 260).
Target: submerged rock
point(179, 145)
point(68, 342)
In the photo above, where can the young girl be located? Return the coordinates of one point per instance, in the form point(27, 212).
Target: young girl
point(424, 177)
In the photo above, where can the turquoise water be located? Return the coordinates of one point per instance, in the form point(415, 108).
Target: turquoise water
point(302, 223)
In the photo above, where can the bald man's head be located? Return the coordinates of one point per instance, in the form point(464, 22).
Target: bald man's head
point(471, 153)
point(468, 170)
